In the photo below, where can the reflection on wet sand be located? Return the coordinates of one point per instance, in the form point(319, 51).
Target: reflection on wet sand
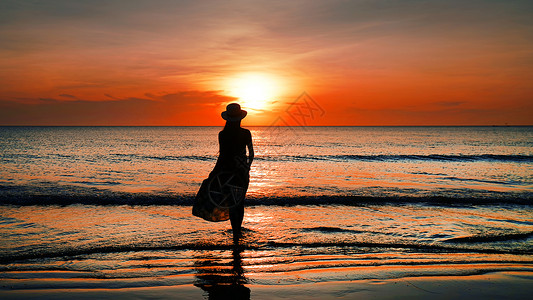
point(220, 278)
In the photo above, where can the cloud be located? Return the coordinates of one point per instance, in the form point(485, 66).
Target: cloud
point(181, 108)
point(112, 97)
point(68, 96)
point(449, 103)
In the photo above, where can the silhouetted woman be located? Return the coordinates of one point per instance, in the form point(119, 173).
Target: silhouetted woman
point(233, 141)
point(221, 195)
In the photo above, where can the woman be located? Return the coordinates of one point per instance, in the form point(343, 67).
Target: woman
point(230, 176)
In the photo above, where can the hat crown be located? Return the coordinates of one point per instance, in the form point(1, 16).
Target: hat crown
point(233, 109)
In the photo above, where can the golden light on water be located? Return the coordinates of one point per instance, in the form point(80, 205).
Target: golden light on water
point(256, 91)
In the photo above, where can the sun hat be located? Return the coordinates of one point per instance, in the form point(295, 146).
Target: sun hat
point(233, 112)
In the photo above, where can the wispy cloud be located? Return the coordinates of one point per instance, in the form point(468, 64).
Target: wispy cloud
point(68, 96)
point(450, 103)
point(182, 108)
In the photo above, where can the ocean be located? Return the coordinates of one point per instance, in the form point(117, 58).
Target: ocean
point(47, 165)
point(110, 207)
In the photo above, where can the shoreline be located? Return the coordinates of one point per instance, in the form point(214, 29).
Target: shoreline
point(496, 285)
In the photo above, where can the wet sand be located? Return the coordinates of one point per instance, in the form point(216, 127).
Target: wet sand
point(499, 285)
point(299, 252)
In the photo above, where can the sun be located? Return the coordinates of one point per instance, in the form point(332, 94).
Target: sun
point(254, 90)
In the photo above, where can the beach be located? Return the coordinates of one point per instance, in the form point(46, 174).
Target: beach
point(419, 213)
point(369, 251)
point(515, 285)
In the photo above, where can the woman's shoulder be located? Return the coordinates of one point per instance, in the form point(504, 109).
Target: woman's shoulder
point(246, 131)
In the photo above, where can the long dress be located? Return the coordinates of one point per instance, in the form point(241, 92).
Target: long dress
point(225, 188)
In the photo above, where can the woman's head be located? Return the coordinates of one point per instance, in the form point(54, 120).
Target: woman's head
point(233, 113)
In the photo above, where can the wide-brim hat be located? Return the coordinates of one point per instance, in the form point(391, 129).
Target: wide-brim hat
point(233, 112)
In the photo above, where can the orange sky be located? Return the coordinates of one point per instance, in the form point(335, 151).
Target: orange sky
point(175, 62)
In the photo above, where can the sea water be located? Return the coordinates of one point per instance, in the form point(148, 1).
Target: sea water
point(110, 207)
point(460, 162)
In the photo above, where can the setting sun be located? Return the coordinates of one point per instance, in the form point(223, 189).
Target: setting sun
point(254, 90)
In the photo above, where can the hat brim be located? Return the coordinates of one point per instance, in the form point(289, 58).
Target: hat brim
point(241, 116)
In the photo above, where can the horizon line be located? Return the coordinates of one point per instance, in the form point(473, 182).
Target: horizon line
point(523, 125)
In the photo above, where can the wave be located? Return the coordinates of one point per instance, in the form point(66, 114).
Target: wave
point(399, 157)
point(324, 229)
point(127, 157)
point(491, 238)
point(358, 246)
point(97, 192)
point(402, 157)
point(512, 158)
point(24, 196)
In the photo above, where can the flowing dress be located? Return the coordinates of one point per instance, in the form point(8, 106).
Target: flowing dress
point(225, 188)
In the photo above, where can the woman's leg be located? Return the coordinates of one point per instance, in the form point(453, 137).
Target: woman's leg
point(236, 215)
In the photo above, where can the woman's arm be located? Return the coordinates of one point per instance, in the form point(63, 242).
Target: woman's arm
point(250, 153)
